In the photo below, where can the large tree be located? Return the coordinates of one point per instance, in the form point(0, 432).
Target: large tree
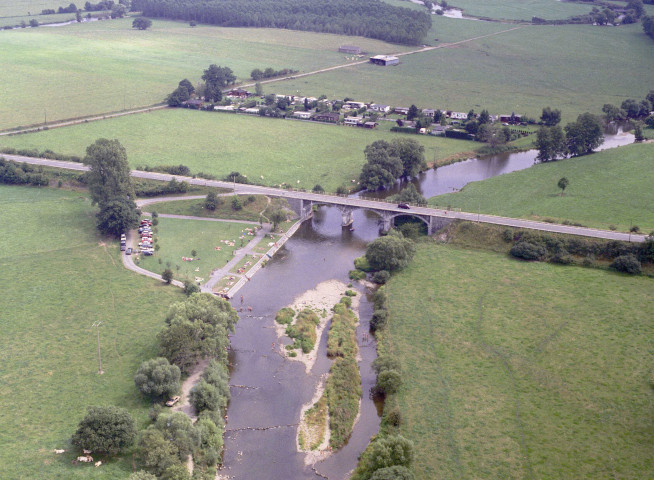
point(391, 252)
point(197, 328)
point(550, 117)
point(141, 23)
point(157, 378)
point(384, 452)
point(412, 155)
point(383, 166)
point(117, 215)
point(109, 175)
point(584, 135)
point(106, 429)
point(550, 143)
point(216, 79)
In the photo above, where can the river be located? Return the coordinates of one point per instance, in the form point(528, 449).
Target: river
point(268, 390)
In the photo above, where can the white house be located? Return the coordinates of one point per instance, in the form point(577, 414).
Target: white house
point(303, 115)
point(352, 121)
point(374, 107)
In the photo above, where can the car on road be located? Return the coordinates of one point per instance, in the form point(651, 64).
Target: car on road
point(172, 401)
point(128, 252)
point(403, 205)
point(123, 248)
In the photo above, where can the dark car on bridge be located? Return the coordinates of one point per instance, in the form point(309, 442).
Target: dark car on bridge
point(403, 205)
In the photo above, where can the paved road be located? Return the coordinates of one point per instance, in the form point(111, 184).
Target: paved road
point(356, 202)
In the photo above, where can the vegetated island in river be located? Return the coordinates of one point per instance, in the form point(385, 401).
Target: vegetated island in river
point(326, 421)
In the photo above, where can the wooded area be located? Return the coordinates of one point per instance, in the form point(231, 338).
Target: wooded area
point(373, 19)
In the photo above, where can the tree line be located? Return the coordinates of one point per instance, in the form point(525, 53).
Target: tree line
point(366, 18)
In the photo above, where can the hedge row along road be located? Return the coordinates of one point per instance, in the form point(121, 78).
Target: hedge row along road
point(354, 202)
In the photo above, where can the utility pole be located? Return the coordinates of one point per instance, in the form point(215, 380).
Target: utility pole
point(45, 117)
point(97, 328)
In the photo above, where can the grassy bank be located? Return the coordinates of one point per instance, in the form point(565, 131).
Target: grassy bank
point(522, 370)
point(521, 10)
point(612, 187)
point(279, 150)
point(58, 278)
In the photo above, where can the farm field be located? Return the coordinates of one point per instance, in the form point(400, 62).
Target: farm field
point(522, 370)
point(13, 21)
point(96, 67)
point(612, 187)
point(178, 238)
point(519, 71)
point(220, 143)
point(520, 9)
point(58, 278)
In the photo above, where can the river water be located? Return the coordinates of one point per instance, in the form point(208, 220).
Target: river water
point(268, 391)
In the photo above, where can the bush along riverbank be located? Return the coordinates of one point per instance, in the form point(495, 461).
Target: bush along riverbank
point(389, 454)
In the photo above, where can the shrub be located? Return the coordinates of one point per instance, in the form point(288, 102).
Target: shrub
point(378, 320)
point(357, 274)
point(157, 378)
point(106, 429)
point(381, 277)
point(626, 264)
point(394, 417)
point(391, 252)
point(190, 287)
point(393, 473)
point(562, 257)
point(176, 472)
point(347, 301)
point(285, 316)
point(350, 293)
point(384, 452)
point(528, 251)
point(388, 382)
point(236, 203)
point(361, 263)
point(205, 396)
point(167, 275)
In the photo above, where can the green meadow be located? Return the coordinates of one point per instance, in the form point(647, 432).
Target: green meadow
point(519, 71)
point(59, 278)
point(178, 238)
point(13, 8)
point(522, 370)
point(611, 187)
point(250, 211)
point(521, 9)
point(90, 68)
point(220, 143)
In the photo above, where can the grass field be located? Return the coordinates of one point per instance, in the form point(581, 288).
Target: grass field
point(219, 143)
point(58, 278)
point(519, 71)
point(250, 211)
point(13, 8)
point(612, 187)
point(178, 238)
point(521, 370)
point(96, 67)
point(57, 17)
point(520, 9)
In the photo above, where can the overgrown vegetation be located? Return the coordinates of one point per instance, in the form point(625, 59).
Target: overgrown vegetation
point(303, 330)
point(343, 389)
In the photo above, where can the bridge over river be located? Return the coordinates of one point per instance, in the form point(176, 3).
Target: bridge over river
point(303, 202)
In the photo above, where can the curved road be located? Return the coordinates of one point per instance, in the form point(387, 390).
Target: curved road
point(355, 202)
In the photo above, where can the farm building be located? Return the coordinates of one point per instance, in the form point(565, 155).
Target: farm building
point(384, 60)
point(370, 124)
point(239, 92)
point(351, 49)
point(356, 105)
point(327, 117)
point(401, 110)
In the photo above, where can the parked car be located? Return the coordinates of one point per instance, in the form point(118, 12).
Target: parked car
point(123, 247)
point(128, 252)
point(172, 401)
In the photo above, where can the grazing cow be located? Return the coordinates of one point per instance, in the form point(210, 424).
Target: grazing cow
point(86, 452)
point(98, 463)
point(85, 459)
point(59, 451)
